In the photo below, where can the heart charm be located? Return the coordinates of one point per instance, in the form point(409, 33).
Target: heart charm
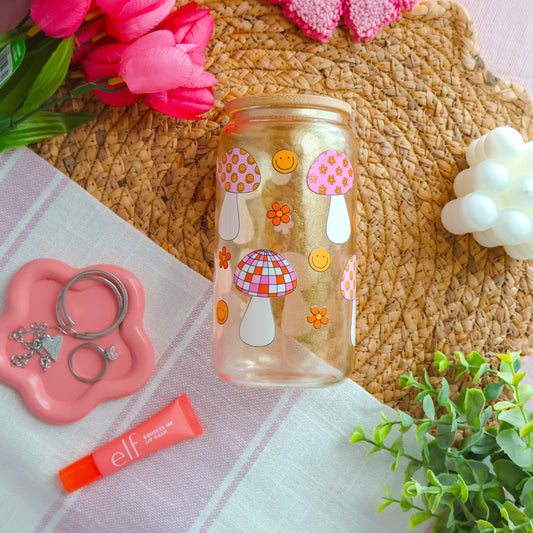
point(52, 345)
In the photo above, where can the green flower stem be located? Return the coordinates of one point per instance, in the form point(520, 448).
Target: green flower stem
point(82, 89)
point(383, 447)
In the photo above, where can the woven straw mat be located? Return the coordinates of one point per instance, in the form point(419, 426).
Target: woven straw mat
point(420, 95)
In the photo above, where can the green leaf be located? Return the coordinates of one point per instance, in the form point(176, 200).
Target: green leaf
point(485, 527)
point(428, 407)
point(526, 430)
point(507, 377)
point(515, 448)
point(500, 406)
point(509, 475)
point(50, 76)
point(406, 420)
point(441, 361)
point(444, 394)
point(486, 445)
point(445, 432)
point(513, 514)
point(418, 518)
point(485, 417)
point(463, 488)
point(411, 469)
point(436, 457)
point(474, 403)
point(505, 357)
point(394, 466)
point(357, 435)
point(383, 506)
point(42, 125)
point(422, 429)
point(519, 377)
point(526, 496)
point(525, 392)
point(512, 416)
point(475, 359)
point(373, 450)
point(407, 381)
point(493, 390)
point(405, 503)
point(483, 369)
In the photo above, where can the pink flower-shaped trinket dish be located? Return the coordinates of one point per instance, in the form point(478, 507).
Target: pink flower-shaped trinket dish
point(55, 394)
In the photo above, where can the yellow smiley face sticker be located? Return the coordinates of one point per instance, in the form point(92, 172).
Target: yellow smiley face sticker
point(284, 161)
point(319, 259)
point(222, 311)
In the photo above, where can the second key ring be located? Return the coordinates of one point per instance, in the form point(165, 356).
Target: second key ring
point(67, 325)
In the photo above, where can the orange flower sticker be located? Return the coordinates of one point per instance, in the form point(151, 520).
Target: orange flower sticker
point(223, 256)
point(279, 213)
point(318, 318)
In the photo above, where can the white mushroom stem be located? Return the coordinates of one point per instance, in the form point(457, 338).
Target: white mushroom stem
point(228, 221)
point(257, 325)
point(354, 315)
point(338, 227)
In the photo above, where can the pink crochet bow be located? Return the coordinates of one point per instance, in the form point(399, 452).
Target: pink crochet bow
point(365, 18)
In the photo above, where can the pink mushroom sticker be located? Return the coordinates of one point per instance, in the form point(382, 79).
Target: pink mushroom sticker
point(348, 285)
point(262, 274)
point(237, 173)
point(332, 175)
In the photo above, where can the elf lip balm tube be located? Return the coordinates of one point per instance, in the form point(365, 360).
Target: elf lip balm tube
point(174, 423)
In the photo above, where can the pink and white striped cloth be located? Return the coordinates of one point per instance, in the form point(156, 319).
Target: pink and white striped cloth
point(269, 460)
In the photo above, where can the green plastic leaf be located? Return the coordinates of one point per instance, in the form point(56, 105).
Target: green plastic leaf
point(463, 488)
point(474, 403)
point(357, 435)
point(500, 406)
point(493, 390)
point(507, 377)
point(406, 503)
point(518, 378)
point(445, 432)
point(441, 361)
point(526, 496)
point(505, 357)
point(485, 416)
point(476, 359)
point(526, 430)
point(42, 125)
point(515, 448)
point(418, 518)
point(444, 394)
point(428, 407)
point(486, 445)
point(525, 392)
point(411, 469)
point(383, 506)
point(513, 514)
point(406, 420)
point(483, 369)
point(407, 381)
point(411, 489)
point(436, 457)
point(373, 450)
point(512, 416)
point(509, 475)
point(396, 463)
point(50, 76)
point(422, 429)
point(485, 527)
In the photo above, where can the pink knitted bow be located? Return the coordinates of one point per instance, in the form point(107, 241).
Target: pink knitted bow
point(317, 18)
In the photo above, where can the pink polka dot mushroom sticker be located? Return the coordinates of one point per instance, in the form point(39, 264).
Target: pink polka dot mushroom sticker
point(237, 173)
point(332, 175)
point(348, 285)
point(262, 274)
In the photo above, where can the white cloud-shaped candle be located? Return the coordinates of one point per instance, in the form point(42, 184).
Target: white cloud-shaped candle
point(495, 194)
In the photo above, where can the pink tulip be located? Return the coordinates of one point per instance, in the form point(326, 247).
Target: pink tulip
point(103, 62)
point(58, 18)
point(156, 62)
point(131, 19)
point(185, 102)
point(190, 25)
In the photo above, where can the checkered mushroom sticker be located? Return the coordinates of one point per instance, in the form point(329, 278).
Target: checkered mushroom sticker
point(237, 173)
point(348, 286)
point(332, 175)
point(262, 274)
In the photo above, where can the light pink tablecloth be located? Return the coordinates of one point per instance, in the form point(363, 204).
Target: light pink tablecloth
point(505, 37)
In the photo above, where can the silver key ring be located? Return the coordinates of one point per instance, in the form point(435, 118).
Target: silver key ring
point(66, 324)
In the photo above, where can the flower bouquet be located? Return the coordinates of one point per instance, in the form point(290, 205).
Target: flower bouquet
point(122, 50)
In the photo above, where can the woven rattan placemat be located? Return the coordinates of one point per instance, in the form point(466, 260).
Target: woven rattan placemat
point(420, 94)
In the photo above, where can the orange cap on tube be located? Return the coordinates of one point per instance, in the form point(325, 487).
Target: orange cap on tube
point(79, 474)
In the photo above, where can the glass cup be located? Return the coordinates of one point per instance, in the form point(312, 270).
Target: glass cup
point(285, 265)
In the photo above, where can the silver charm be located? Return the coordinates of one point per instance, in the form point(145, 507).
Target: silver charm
point(36, 341)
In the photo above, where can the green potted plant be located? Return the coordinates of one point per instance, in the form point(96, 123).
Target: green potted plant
point(476, 450)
